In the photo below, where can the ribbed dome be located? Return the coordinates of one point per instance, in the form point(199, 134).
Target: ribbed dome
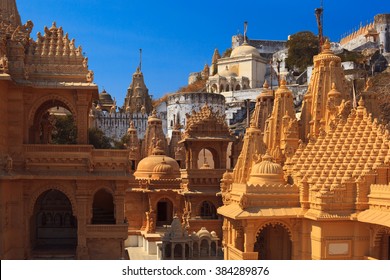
point(266, 172)
point(162, 171)
point(104, 96)
point(203, 232)
point(157, 167)
point(244, 50)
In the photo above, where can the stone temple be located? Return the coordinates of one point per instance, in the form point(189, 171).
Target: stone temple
point(310, 188)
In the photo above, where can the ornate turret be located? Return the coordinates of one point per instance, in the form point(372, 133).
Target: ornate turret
point(317, 105)
point(154, 134)
point(263, 108)
point(214, 61)
point(138, 95)
point(281, 132)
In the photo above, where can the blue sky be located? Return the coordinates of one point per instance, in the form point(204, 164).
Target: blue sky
point(179, 37)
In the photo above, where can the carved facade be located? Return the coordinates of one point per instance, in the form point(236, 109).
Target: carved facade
point(329, 199)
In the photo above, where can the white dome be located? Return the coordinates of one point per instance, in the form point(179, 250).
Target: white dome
point(244, 50)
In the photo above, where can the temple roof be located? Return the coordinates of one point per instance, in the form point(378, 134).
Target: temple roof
point(354, 146)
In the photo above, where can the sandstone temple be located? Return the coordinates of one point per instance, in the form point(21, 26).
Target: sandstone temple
point(313, 187)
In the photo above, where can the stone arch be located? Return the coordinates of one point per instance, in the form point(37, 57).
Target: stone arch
point(66, 190)
point(164, 211)
point(204, 247)
point(273, 241)
point(53, 98)
point(215, 157)
point(178, 251)
point(40, 108)
point(207, 210)
point(103, 207)
point(53, 224)
point(214, 88)
point(206, 156)
point(273, 223)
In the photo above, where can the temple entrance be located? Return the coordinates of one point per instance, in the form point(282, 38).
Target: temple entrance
point(164, 212)
point(273, 243)
point(103, 208)
point(53, 226)
point(53, 124)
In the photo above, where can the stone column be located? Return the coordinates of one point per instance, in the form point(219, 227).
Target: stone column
point(83, 107)
point(249, 237)
point(119, 201)
point(82, 203)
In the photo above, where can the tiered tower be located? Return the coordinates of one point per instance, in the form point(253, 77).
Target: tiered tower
point(281, 132)
point(319, 106)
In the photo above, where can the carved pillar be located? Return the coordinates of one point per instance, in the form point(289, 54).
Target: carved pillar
point(82, 204)
point(120, 203)
point(83, 107)
point(239, 238)
point(249, 236)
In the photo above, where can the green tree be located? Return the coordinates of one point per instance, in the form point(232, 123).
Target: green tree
point(302, 46)
point(98, 139)
point(122, 144)
point(65, 130)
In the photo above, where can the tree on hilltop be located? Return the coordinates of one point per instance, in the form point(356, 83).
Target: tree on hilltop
point(302, 46)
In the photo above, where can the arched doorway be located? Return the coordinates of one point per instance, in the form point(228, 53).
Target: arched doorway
point(206, 159)
point(273, 243)
point(204, 248)
point(208, 211)
point(53, 226)
point(164, 212)
point(103, 208)
point(53, 123)
point(178, 252)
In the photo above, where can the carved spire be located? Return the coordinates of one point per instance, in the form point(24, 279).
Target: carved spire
point(9, 12)
point(328, 74)
point(137, 96)
point(281, 132)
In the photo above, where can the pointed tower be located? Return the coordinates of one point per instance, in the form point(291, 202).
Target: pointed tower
point(281, 132)
point(9, 12)
point(317, 105)
point(253, 145)
point(154, 135)
point(263, 108)
point(138, 95)
point(214, 61)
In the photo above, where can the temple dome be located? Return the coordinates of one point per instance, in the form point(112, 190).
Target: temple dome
point(104, 96)
point(244, 50)
point(157, 167)
point(266, 172)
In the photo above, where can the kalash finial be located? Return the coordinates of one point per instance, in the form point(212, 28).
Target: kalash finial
point(326, 46)
point(283, 83)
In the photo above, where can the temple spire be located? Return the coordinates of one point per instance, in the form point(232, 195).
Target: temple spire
point(245, 31)
point(9, 12)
